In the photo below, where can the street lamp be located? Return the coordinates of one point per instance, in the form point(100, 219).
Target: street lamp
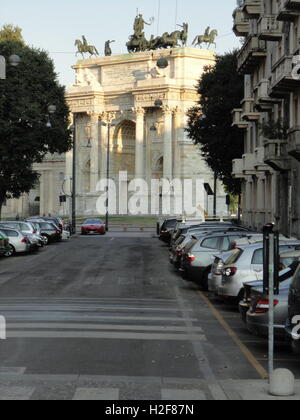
point(51, 111)
point(73, 129)
point(108, 125)
point(14, 60)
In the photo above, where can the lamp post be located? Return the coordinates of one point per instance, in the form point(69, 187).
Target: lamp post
point(73, 128)
point(14, 60)
point(109, 125)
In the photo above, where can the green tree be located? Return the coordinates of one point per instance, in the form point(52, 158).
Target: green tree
point(10, 32)
point(210, 122)
point(25, 138)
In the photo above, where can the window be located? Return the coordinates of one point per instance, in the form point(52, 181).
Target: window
point(258, 257)
point(211, 243)
point(225, 244)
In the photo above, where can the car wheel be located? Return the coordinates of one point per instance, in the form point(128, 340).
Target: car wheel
point(46, 240)
point(10, 252)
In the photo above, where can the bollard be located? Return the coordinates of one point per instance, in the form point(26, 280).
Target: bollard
point(282, 383)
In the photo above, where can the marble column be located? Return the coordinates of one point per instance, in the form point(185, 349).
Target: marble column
point(139, 144)
point(168, 144)
point(103, 146)
point(178, 124)
point(95, 152)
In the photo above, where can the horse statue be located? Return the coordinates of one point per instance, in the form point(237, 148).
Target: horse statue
point(184, 34)
point(136, 44)
point(208, 38)
point(83, 48)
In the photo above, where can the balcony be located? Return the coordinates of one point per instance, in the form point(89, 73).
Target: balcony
point(269, 29)
point(237, 119)
point(288, 10)
point(282, 82)
point(262, 101)
point(259, 163)
point(249, 164)
point(241, 25)
point(293, 147)
point(238, 168)
point(251, 55)
point(252, 8)
point(276, 154)
point(248, 112)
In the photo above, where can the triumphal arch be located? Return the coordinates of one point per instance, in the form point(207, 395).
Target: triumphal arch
point(145, 108)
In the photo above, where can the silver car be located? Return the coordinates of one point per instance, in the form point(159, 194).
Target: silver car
point(215, 276)
point(258, 314)
point(198, 255)
point(246, 265)
point(26, 228)
point(289, 262)
point(18, 242)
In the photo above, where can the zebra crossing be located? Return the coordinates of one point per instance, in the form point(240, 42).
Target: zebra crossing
point(112, 318)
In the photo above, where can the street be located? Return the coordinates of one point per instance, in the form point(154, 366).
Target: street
point(108, 318)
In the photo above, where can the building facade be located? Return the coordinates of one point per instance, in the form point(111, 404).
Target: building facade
point(270, 112)
point(147, 107)
point(44, 199)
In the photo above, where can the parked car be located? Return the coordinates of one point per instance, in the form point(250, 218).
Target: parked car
point(293, 312)
point(93, 226)
point(166, 229)
point(289, 262)
point(215, 276)
point(183, 228)
point(4, 244)
point(18, 242)
point(246, 265)
point(198, 255)
point(57, 221)
point(257, 317)
point(49, 231)
point(27, 229)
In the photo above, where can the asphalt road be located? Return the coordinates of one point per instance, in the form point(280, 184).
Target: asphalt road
point(108, 318)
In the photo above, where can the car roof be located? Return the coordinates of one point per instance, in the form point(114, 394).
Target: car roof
point(290, 254)
point(260, 244)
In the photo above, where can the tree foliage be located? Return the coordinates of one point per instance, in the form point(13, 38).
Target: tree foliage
point(24, 99)
point(10, 32)
point(210, 122)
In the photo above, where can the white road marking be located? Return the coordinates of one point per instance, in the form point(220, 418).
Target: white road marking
point(96, 394)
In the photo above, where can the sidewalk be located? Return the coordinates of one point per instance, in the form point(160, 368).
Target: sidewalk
point(247, 390)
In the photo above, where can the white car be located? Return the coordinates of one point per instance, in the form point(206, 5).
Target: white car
point(18, 242)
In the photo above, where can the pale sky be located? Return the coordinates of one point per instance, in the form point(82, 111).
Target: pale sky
point(55, 25)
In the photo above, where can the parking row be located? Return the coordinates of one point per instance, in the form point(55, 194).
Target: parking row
point(227, 260)
point(27, 236)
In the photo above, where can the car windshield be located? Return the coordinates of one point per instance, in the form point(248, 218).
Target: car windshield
point(47, 226)
point(93, 222)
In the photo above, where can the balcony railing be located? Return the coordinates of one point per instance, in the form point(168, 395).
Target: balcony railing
point(241, 26)
point(249, 113)
point(293, 147)
point(259, 154)
point(237, 119)
point(276, 154)
point(282, 81)
point(251, 55)
point(269, 28)
point(288, 10)
point(262, 101)
point(251, 7)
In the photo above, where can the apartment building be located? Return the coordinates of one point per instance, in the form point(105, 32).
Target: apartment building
point(270, 112)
